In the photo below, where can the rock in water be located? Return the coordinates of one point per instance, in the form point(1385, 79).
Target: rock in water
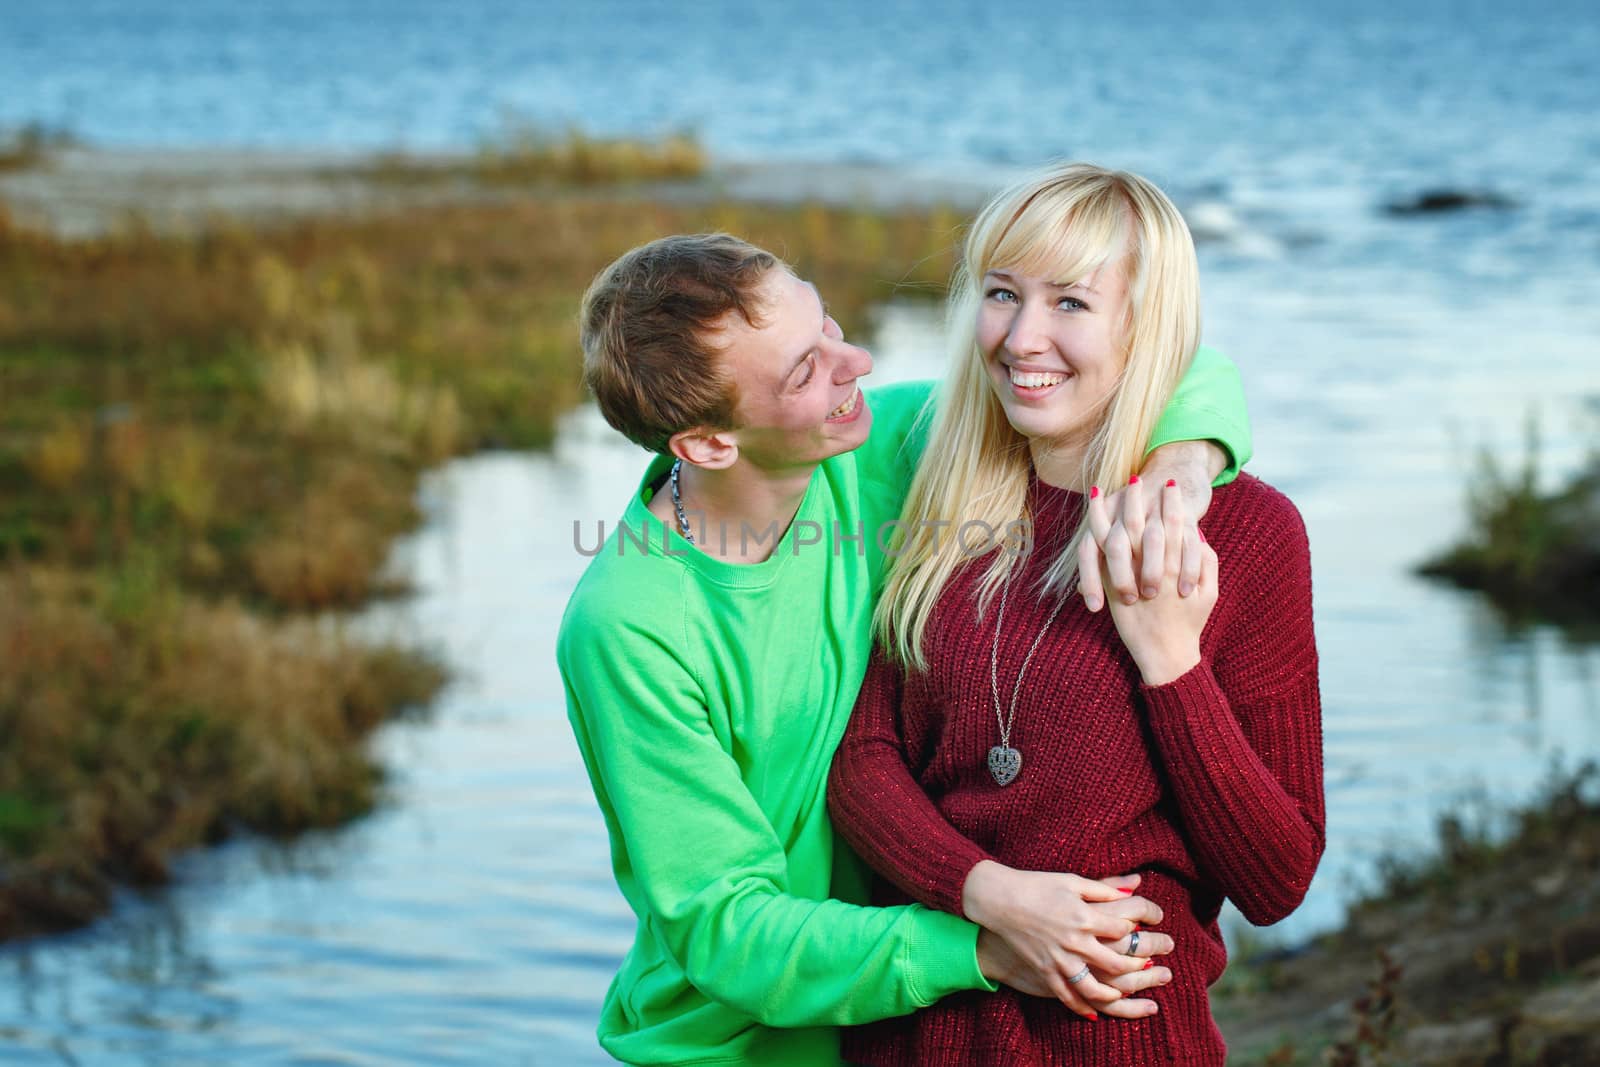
point(1438, 201)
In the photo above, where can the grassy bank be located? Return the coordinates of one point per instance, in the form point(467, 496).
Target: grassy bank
point(1535, 553)
point(30, 146)
point(1484, 952)
point(140, 721)
point(525, 155)
point(205, 436)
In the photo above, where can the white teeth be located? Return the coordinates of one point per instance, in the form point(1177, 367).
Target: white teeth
point(1034, 381)
point(847, 407)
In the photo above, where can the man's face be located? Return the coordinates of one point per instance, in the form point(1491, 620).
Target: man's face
point(796, 377)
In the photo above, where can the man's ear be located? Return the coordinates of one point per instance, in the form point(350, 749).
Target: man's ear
point(711, 449)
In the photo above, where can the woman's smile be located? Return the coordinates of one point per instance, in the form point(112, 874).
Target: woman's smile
point(1034, 384)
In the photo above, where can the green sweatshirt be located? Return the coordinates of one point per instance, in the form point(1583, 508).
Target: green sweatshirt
point(707, 699)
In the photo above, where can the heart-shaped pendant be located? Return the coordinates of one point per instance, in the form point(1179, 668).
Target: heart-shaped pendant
point(1004, 763)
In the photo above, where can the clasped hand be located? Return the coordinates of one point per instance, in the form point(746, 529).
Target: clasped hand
point(1041, 929)
point(1162, 572)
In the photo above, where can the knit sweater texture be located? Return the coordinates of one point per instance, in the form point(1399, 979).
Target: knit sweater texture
point(1209, 787)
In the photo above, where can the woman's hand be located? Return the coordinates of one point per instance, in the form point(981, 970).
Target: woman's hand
point(1044, 928)
point(1163, 634)
point(1134, 540)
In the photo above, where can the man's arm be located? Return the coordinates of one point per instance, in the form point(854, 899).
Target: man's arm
point(709, 870)
point(1208, 407)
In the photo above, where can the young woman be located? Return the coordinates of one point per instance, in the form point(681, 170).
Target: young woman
point(1004, 728)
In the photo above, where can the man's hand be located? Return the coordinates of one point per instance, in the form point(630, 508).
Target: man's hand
point(1131, 537)
point(1051, 927)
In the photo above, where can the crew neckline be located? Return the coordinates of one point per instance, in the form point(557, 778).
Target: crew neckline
point(667, 541)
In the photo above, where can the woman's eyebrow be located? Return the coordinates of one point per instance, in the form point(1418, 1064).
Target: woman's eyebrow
point(1004, 276)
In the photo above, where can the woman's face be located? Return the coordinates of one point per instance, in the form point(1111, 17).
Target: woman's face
point(1053, 352)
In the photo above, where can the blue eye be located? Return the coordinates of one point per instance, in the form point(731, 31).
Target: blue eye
point(1000, 294)
point(1072, 304)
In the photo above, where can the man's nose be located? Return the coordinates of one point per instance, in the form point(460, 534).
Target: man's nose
point(854, 362)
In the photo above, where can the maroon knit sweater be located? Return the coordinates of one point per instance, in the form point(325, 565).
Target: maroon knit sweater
point(1209, 787)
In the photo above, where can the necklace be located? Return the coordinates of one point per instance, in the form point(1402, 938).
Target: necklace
point(677, 503)
point(1004, 761)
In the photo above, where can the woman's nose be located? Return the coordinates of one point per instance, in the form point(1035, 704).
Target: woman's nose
point(1027, 335)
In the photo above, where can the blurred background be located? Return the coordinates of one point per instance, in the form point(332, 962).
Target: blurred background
point(294, 459)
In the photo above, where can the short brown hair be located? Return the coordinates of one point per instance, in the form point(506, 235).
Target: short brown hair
point(644, 321)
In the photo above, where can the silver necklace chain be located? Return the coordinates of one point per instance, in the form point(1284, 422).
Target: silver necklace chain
point(677, 503)
point(1010, 717)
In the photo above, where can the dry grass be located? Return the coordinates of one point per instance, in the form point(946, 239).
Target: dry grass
point(30, 146)
point(527, 156)
point(141, 721)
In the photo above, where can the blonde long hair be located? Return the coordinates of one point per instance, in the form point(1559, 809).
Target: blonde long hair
point(1064, 224)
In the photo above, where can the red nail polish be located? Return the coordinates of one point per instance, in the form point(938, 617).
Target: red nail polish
point(1094, 1017)
point(1202, 534)
point(1126, 892)
point(1094, 491)
point(1134, 480)
point(1172, 483)
point(1148, 964)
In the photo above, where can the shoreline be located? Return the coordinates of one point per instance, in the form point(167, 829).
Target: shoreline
point(1483, 953)
point(82, 192)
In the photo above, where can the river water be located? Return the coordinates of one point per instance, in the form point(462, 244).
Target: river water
point(473, 918)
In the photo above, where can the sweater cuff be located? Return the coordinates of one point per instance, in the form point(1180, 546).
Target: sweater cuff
point(1195, 688)
point(948, 872)
point(943, 951)
point(1184, 716)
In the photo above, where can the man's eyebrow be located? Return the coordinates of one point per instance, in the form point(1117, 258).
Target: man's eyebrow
point(1085, 286)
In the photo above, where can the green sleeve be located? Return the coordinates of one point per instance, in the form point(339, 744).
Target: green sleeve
point(1209, 406)
point(707, 870)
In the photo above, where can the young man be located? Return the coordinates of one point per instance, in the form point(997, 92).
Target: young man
point(713, 650)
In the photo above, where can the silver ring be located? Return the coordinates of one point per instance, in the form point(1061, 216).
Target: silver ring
point(1133, 944)
point(1080, 976)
